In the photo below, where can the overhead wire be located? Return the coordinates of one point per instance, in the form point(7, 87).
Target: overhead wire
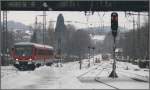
point(101, 19)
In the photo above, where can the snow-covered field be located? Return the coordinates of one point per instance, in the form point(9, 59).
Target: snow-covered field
point(71, 77)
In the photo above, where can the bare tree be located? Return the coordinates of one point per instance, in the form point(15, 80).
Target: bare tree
point(50, 35)
point(80, 42)
point(138, 49)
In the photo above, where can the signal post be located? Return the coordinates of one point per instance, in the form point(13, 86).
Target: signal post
point(114, 27)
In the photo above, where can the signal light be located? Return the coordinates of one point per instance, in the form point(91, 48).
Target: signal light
point(114, 23)
point(114, 18)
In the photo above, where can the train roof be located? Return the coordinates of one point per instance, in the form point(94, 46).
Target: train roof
point(34, 44)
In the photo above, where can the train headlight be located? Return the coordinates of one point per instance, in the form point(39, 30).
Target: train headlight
point(30, 61)
point(17, 62)
point(16, 59)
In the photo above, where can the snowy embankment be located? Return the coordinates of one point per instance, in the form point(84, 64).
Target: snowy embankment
point(71, 77)
point(13, 79)
point(134, 71)
point(129, 77)
point(42, 78)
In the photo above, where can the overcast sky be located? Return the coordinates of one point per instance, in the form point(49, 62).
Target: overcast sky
point(28, 18)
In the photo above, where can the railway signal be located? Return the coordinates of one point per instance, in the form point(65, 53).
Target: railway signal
point(114, 23)
point(114, 27)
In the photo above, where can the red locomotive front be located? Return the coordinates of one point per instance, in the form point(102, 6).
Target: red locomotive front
point(31, 55)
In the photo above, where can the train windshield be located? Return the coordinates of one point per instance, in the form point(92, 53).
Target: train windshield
point(23, 50)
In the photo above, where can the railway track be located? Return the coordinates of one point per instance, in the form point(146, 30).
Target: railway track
point(123, 73)
point(129, 75)
point(101, 68)
point(107, 68)
point(80, 76)
point(97, 80)
point(107, 84)
point(114, 87)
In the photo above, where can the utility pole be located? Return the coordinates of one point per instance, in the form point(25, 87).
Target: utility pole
point(87, 20)
point(139, 20)
point(0, 38)
point(34, 37)
point(44, 26)
point(148, 41)
point(44, 23)
point(89, 55)
point(4, 39)
point(93, 55)
point(133, 40)
point(36, 22)
point(80, 60)
point(138, 36)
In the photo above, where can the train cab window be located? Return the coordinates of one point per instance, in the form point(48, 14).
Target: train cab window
point(23, 50)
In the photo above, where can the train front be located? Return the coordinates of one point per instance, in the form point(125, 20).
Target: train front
point(23, 57)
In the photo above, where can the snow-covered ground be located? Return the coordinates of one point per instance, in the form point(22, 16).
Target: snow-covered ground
point(71, 77)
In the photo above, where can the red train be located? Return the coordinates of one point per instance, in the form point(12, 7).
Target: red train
point(28, 56)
